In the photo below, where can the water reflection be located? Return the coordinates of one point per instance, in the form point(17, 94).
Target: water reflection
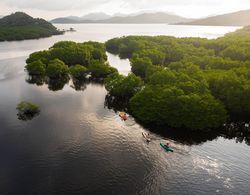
point(27, 110)
point(115, 104)
point(57, 84)
point(36, 80)
point(53, 84)
point(240, 131)
point(89, 150)
point(27, 116)
point(79, 85)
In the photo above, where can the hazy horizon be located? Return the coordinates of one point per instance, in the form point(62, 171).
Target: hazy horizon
point(61, 8)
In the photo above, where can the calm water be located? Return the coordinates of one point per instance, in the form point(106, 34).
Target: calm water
point(77, 145)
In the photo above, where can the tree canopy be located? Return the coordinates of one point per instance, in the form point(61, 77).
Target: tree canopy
point(191, 83)
point(68, 58)
point(194, 83)
point(20, 26)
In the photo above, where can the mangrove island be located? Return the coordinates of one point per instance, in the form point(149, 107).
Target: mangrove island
point(191, 83)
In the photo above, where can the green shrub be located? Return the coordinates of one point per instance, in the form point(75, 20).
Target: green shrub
point(78, 71)
point(56, 69)
point(36, 68)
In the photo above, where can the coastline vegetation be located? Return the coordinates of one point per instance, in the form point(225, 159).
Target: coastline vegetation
point(69, 59)
point(191, 83)
point(20, 26)
point(27, 110)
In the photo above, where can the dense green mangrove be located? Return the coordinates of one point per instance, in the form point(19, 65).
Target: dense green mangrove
point(67, 58)
point(27, 110)
point(192, 83)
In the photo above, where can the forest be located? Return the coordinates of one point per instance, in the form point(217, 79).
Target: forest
point(20, 26)
point(68, 59)
point(191, 83)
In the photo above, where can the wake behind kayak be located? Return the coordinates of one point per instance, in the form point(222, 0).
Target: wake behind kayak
point(146, 137)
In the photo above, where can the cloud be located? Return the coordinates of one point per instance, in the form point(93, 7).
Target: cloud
point(59, 5)
point(188, 8)
point(54, 5)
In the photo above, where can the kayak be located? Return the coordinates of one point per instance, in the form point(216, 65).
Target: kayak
point(168, 149)
point(146, 137)
point(123, 116)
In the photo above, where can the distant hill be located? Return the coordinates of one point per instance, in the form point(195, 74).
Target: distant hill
point(89, 18)
point(240, 18)
point(96, 16)
point(20, 26)
point(144, 18)
point(147, 18)
point(74, 18)
point(66, 20)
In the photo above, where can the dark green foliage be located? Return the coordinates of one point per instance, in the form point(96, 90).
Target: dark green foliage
point(188, 82)
point(27, 110)
point(232, 90)
point(36, 68)
point(43, 56)
point(57, 69)
point(179, 82)
point(173, 54)
point(82, 58)
point(100, 70)
point(236, 53)
point(24, 106)
point(177, 66)
point(72, 55)
point(112, 45)
point(78, 72)
point(55, 84)
point(123, 87)
point(79, 53)
point(171, 106)
point(139, 66)
point(151, 70)
point(157, 57)
point(20, 26)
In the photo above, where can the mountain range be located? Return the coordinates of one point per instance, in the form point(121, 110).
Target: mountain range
point(239, 18)
point(141, 18)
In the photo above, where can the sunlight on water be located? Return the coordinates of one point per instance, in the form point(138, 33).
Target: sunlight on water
point(78, 144)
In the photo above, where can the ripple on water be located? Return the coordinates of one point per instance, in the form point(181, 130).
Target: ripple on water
point(78, 146)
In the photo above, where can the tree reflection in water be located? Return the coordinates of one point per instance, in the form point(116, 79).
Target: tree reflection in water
point(117, 104)
point(57, 84)
point(53, 84)
point(37, 80)
point(240, 131)
point(79, 85)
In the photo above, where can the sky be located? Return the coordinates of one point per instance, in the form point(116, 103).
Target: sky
point(50, 9)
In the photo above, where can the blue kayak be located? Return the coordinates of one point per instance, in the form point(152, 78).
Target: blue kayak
point(168, 149)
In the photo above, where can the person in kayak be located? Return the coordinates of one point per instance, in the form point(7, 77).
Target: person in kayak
point(123, 116)
point(167, 145)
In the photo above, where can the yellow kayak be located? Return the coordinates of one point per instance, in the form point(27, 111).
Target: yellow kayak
point(123, 115)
